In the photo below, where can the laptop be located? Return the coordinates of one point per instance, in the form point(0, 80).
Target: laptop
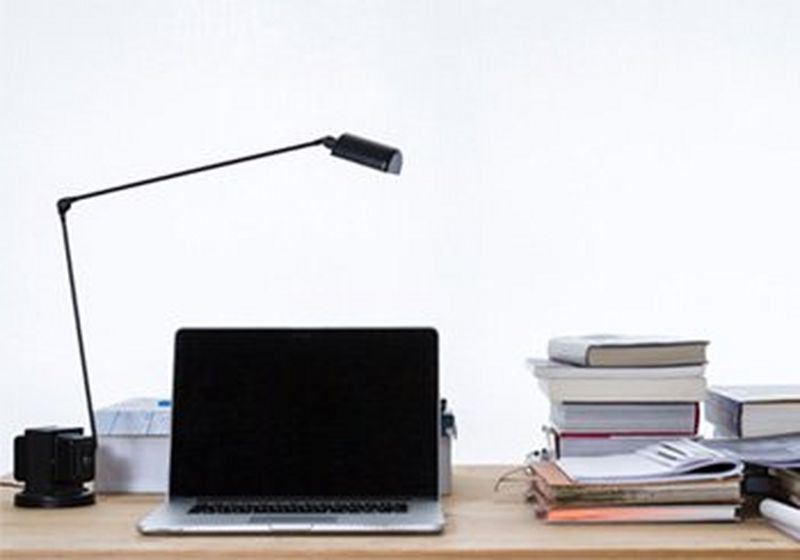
point(303, 431)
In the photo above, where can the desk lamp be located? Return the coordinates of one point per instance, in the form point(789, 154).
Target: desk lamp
point(54, 463)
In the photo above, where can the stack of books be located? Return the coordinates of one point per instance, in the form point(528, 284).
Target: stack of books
point(668, 482)
point(753, 410)
point(614, 394)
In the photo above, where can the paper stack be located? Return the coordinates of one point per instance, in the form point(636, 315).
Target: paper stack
point(669, 482)
point(613, 394)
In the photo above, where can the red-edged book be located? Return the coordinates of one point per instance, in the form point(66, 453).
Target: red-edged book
point(581, 429)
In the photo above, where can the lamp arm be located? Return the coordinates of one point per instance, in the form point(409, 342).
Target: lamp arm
point(64, 204)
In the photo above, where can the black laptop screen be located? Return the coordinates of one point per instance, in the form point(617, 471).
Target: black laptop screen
point(311, 412)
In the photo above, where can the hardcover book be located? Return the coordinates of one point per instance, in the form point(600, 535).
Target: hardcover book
point(564, 383)
point(625, 418)
point(754, 410)
point(608, 350)
point(590, 445)
point(657, 513)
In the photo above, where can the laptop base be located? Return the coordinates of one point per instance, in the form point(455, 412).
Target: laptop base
point(171, 518)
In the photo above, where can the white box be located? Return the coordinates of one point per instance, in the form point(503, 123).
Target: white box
point(133, 446)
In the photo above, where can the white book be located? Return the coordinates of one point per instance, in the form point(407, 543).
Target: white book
point(610, 350)
point(634, 390)
point(564, 383)
point(676, 460)
point(550, 369)
point(635, 418)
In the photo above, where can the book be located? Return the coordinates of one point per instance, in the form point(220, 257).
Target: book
point(754, 410)
point(564, 383)
point(590, 445)
point(557, 488)
point(637, 390)
point(631, 418)
point(676, 460)
point(658, 513)
point(608, 350)
point(558, 370)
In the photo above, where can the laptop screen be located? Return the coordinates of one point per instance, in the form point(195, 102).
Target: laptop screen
point(305, 412)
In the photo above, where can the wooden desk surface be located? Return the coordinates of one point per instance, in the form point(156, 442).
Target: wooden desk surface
point(480, 524)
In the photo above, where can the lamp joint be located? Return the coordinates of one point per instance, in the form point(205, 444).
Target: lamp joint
point(63, 205)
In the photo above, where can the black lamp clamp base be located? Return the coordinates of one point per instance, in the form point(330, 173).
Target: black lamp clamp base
point(55, 462)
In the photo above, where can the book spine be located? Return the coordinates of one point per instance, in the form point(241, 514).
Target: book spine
point(739, 419)
point(553, 441)
point(631, 418)
point(724, 412)
point(552, 369)
point(675, 492)
point(645, 513)
point(623, 435)
point(633, 390)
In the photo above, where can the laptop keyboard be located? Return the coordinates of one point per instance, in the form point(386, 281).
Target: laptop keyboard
point(300, 507)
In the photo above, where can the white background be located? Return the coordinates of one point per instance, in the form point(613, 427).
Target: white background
point(571, 167)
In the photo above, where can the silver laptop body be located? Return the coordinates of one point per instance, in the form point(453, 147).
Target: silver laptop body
point(303, 431)
point(422, 516)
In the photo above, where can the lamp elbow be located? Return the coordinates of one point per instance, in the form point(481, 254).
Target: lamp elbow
point(63, 205)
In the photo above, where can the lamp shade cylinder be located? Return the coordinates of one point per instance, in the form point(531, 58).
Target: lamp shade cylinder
point(369, 153)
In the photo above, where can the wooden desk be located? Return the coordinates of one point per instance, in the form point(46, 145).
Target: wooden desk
point(480, 524)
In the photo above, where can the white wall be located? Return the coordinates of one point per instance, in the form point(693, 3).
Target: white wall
point(570, 167)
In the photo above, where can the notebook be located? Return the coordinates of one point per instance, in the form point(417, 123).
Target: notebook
point(303, 430)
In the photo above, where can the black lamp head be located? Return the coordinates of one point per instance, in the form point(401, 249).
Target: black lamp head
point(366, 152)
